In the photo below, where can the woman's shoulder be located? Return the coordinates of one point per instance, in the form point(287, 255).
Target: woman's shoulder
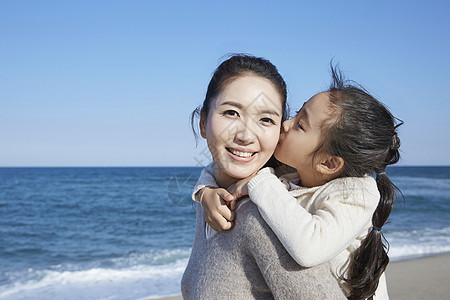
point(247, 216)
point(249, 223)
point(255, 235)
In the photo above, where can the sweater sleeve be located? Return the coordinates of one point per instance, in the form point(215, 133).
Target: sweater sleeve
point(206, 179)
point(314, 238)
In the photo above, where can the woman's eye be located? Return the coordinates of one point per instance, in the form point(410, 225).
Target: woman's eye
point(232, 113)
point(299, 125)
point(268, 120)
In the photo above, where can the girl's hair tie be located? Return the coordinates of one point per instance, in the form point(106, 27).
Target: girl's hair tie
point(376, 228)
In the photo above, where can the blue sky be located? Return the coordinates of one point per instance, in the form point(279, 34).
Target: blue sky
point(113, 83)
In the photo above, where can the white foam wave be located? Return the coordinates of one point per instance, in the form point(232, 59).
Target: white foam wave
point(418, 243)
point(415, 251)
point(100, 283)
point(153, 257)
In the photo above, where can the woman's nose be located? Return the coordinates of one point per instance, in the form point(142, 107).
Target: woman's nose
point(244, 133)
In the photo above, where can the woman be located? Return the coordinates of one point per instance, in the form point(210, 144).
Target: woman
point(241, 116)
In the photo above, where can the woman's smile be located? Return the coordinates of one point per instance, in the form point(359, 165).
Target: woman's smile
point(241, 155)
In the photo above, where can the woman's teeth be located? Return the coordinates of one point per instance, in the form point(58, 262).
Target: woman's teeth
point(241, 154)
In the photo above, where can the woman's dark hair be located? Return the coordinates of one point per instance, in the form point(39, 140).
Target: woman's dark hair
point(235, 66)
point(364, 135)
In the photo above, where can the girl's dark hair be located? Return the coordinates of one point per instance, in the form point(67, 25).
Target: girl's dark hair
point(364, 135)
point(235, 66)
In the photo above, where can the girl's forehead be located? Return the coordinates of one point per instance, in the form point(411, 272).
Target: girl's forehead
point(317, 109)
point(319, 102)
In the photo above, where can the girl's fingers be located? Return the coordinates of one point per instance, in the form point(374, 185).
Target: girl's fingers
point(219, 223)
point(225, 195)
point(232, 189)
point(233, 205)
point(216, 225)
point(226, 213)
point(227, 226)
point(217, 214)
point(211, 224)
point(238, 191)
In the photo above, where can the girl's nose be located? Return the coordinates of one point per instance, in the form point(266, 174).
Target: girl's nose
point(286, 125)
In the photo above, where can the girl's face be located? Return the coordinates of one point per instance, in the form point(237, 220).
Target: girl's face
point(242, 127)
point(301, 136)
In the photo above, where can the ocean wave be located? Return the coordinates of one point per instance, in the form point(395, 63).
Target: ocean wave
point(153, 257)
point(407, 244)
point(99, 283)
point(424, 235)
point(132, 276)
point(158, 273)
point(406, 252)
point(415, 186)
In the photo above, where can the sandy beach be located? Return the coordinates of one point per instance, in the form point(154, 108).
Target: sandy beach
point(422, 278)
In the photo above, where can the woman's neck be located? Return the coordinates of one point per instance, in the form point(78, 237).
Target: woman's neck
point(223, 180)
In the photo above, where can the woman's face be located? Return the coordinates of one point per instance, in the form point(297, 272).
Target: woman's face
point(242, 127)
point(301, 136)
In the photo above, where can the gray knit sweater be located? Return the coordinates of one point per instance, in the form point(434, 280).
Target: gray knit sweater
point(249, 262)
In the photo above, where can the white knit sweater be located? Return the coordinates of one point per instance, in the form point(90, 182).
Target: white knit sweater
point(315, 225)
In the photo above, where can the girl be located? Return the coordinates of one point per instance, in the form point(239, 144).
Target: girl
point(334, 209)
point(240, 119)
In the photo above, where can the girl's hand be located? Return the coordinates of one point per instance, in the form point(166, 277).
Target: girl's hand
point(239, 189)
point(216, 211)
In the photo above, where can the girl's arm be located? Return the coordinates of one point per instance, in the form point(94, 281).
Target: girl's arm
point(216, 210)
point(206, 179)
point(314, 238)
point(217, 213)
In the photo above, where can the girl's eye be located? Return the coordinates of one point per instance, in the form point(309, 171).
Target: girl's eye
point(232, 113)
point(268, 120)
point(299, 125)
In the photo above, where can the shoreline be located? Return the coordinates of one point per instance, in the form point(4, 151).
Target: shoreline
point(418, 278)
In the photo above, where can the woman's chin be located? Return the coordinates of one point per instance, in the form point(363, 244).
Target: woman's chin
point(241, 174)
point(238, 171)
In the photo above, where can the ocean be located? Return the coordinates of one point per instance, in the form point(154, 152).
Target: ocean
point(126, 233)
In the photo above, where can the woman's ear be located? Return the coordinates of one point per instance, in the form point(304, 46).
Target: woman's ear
point(330, 165)
point(202, 124)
